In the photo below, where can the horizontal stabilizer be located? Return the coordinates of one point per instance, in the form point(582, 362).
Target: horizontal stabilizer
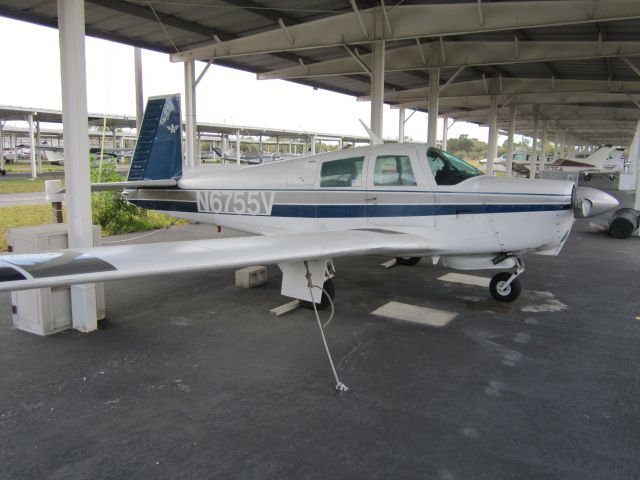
point(103, 187)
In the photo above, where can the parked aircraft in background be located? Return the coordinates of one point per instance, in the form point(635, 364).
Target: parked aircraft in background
point(606, 158)
point(54, 154)
point(402, 200)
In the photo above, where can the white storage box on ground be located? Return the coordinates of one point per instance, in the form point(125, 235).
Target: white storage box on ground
point(46, 310)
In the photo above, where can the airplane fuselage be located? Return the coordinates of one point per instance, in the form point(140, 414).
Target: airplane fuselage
point(364, 188)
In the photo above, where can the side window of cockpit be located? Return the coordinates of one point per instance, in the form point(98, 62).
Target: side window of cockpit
point(448, 169)
point(393, 170)
point(346, 172)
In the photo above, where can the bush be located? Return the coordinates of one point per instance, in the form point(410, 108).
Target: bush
point(112, 211)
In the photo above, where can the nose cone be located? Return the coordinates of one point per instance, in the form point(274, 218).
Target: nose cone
point(589, 202)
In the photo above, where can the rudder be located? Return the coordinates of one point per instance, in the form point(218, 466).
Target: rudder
point(158, 154)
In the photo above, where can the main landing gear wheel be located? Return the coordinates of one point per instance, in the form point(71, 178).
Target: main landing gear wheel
point(503, 291)
point(324, 303)
point(3, 172)
point(408, 261)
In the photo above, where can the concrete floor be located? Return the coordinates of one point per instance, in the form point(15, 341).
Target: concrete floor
point(193, 378)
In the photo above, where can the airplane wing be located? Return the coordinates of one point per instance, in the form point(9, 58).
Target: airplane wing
point(99, 264)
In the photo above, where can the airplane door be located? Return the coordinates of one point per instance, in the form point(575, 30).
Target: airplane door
point(398, 194)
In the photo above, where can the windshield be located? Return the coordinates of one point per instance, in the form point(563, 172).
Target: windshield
point(448, 169)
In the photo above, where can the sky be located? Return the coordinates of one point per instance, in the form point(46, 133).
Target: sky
point(31, 78)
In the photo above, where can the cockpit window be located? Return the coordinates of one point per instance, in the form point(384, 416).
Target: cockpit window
point(346, 172)
point(448, 169)
point(393, 170)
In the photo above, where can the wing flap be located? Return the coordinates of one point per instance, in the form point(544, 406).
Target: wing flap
point(99, 264)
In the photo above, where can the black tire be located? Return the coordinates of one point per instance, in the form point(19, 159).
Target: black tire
point(325, 303)
point(408, 261)
point(513, 291)
point(3, 172)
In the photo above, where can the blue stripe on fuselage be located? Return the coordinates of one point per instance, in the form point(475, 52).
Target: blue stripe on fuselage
point(355, 211)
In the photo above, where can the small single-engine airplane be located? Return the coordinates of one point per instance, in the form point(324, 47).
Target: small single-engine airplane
point(402, 200)
point(606, 158)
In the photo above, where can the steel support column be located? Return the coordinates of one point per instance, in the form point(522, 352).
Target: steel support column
point(636, 165)
point(543, 145)
point(401, 121)
point(434, 98)
point(534, 149)
point(190, 112)
point(76, 146)
point(512, 129)
point(492, 151)
point(32, 153)
point(1, 146)
point(445, 132)
point(313, 144)
point(38, 152)
point(238, 154)
point(137, 66)
point(377, 87)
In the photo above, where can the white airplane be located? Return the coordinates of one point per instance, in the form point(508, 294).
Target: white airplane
point(402, 200)
point(606, 158)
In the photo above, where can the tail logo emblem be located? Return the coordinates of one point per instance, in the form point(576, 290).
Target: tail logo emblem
point(172, 128)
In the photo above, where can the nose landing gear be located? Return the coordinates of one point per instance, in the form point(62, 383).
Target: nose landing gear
point(505, 286)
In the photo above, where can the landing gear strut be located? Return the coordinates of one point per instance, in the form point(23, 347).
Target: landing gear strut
point(505, 286)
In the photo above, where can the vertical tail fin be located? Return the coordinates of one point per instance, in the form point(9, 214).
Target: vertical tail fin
point(158, 154)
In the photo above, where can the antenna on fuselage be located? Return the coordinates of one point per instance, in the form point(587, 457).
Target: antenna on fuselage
point(375, 139)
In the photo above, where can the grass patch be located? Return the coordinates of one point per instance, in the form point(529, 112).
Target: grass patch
point(20, 185)
point(26, 168)
point(22, 216)
point(33, 215)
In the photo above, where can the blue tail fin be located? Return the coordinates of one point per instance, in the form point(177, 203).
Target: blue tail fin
point(158, 154)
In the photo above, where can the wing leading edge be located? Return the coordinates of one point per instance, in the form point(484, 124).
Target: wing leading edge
point(99, 264)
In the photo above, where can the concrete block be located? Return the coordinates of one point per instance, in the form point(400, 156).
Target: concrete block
point(250, 277)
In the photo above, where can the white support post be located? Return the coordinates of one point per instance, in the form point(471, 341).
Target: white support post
point(556, 145)
point(434, 98)
point(76, 146)
point(563, 138)
point(512, 129)
point(377, 87)
point(445, 132)
point(635, 164)
point(190, 114)
point(492, 150)
point(137, 66)
point(401, 121)
point(543, 145)
point(1, 146)
point(38, 152)
point(32, 153)
point(238, 155)
point(534, 149)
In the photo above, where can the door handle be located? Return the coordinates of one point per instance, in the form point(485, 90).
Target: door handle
point(371, 199)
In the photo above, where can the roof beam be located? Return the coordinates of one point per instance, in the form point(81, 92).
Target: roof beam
point(512, 86)
point(463, 54)
point(522, 36)
point(420, 21)
point(555, 112)
point(140, 11)
point(479, 101)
